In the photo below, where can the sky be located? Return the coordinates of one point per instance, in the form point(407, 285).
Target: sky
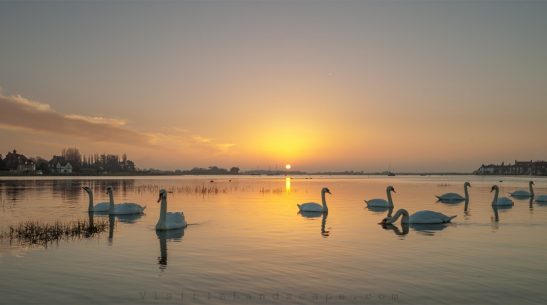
point(322, 85)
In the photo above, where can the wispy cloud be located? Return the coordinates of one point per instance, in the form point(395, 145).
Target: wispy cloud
point(19, 113)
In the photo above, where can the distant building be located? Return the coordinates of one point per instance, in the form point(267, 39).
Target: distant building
point(18, 163)
point(59, 165)
point(27, 166)
point(532, 168)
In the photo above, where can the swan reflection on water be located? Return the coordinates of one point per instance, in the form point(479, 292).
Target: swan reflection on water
point(379, 210)
point(164, 236)
point(497, 210)
point(425, 229)
point(324, 216)
point(129, 219)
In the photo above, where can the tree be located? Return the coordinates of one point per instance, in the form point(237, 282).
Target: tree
point(73, 156)
point(234, 170)
point(42, 165)
point(2, 164)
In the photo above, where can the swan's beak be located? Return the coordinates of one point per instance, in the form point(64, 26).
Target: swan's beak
point(159, 199)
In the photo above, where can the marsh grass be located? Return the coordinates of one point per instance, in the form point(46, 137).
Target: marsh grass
point(208, 189)
point(38, 233)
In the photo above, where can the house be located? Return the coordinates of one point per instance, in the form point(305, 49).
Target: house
point(59, 165)
point(27, 166)
point(533, 168)
point(18, 163)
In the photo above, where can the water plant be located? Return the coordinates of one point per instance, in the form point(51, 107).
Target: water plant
point(32, 232)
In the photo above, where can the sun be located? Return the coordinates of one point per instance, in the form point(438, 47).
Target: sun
point(288, 166)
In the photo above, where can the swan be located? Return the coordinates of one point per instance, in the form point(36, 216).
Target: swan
point(523, 193)
point(502, 201)
point(420, 217)
point(169, 220)
point(541, 198)
point(455, 197)
point(381, 203)
point(99, 207)
point(316, 207)
point(122, 208)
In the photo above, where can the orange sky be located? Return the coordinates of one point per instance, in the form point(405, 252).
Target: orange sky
point(322, 85)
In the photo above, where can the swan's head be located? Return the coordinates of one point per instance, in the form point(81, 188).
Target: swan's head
point(467, 184)
point(391, 189)
point(109, 189)
point(494, 188)
point(385, 221)
point(163, 194)
point(532, 183)
point(87, 189)
point(326, 190)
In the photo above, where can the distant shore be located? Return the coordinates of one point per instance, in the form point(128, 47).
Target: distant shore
point(170, 173)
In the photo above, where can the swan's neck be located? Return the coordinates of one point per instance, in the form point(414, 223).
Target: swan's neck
point(162, 260)
point(111, 196)
point(496, 215)
point(531, 189)
point(324, 232)
point(466, 191)
point(389, 200)
point(324, 201)
point(398, 214)
point(111, 223)
point(90, 206)
point(163, 211)
point(496, 193)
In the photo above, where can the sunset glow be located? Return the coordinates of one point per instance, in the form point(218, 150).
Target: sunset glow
point(269, 88)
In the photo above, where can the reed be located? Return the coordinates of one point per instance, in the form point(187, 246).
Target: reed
point(38, 233)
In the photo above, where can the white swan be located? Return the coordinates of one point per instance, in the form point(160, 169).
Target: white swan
point(316, 207)
point(169, 220)
point(420, 217)
point(455, 197)
point(523, 193)
point(541, 198)
point(99, 207)
point(501, 201)
point(382, 203)
point(122, 208)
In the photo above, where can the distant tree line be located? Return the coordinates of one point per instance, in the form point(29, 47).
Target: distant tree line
point(69, 161)
point(211, 170)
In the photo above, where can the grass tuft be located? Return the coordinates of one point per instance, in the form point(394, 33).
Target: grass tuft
point(37, 233)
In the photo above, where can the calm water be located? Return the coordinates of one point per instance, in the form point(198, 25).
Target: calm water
point(247, 244)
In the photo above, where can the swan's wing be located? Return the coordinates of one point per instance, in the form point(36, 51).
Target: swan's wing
point(429, 217)
point(505, 201)
point(541, 198)
point(520, 193)
point(452, 195)
point(128, 208)
point(377, 202)
point(310, 206)
point(175, 220)
point(101, 207)
point(175, 217)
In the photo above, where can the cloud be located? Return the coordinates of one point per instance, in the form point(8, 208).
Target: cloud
point(19, 113)
point(184, 140)
point(97, 119)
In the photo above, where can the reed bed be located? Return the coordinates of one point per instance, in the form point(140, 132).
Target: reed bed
point(38, 233)
point(211, 188)
point(206, 189)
